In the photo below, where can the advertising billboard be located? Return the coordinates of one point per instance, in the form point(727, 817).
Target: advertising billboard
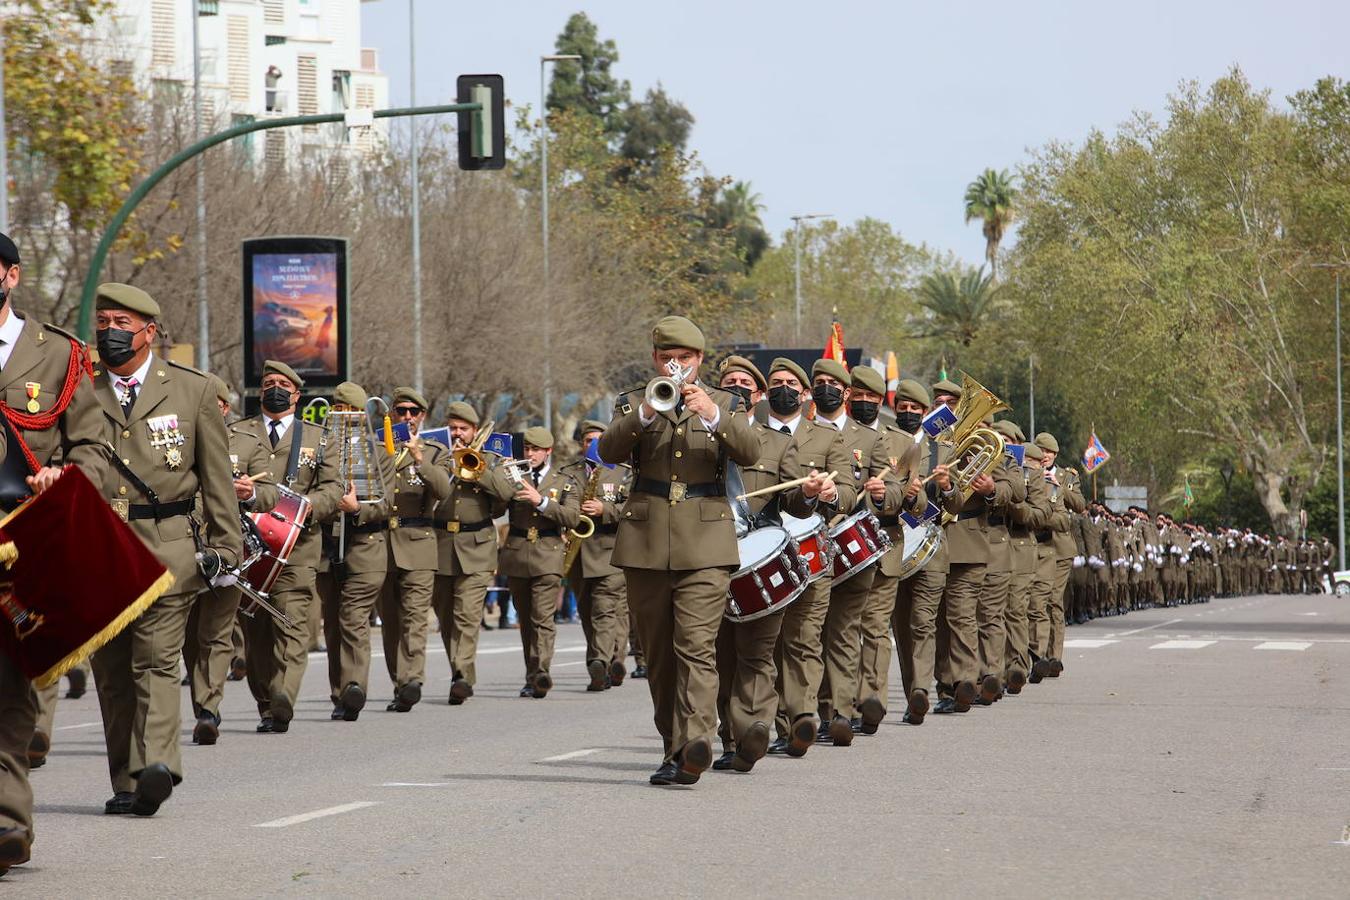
point(295, 308)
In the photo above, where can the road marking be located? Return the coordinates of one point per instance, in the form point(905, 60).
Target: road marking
point(1182, 645)
point(1283, 645)
point(73, 727)
point(316, 814)
point(1145, 628)
point(575, 754)
point(492, 650)
point(1087, 643)
point(414, 784)
point(1309, 614)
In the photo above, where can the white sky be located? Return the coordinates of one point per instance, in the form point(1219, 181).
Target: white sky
point(921, 96)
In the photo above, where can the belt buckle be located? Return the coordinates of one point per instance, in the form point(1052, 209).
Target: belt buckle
point(123, 509)
point(452, 527)
point(393, 522)
point(532, 534)
point(677, 491)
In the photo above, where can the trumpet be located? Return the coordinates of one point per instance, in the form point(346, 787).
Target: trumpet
point(515, 469)
point(470, 463)
point(663, 392)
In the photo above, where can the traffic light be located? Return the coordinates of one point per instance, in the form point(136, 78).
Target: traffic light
point(482, 133)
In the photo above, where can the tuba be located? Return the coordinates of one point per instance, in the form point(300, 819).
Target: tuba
point(976, 448)
point(663, 392)
point(470, 463)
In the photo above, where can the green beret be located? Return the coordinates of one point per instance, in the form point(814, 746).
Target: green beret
point(946, 387)
point(677, 331)
point(869, 379)
point(349, 393)
point(1046, 441)
point(1021, 435)
point(408, 395)
point(831, 368)
point(9, 251)
point(280, 368)
point(538, 436)
point(1033, 452)
point(462, 411)
point(783, 364)
point(112, 295)
point(911, 390)
point(1007, 429)
point(221, 388)
point(588, 425)
point(741, 364)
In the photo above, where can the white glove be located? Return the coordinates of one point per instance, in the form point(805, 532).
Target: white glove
point(1139, 567)
point(1078, 562)
point(1185, 559)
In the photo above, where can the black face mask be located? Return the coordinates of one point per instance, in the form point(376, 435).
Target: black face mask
point(783, 400)
point(828, 398)
point(864, 411)
point(276, 399)
point(909, 421)
point(114, 345)
point(742, 392)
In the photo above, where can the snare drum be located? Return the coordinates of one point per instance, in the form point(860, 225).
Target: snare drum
point(278, 530)
point(921, 544)
point(770, 577)
point(813, 544)
point(859, 541)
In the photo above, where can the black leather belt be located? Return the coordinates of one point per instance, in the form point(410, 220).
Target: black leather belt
point(534, 533)
point(161, 511)
point(455, 527)
point(368, 528)
point(411, 522)
point(607, 529)
point(969, 514)
point(678, 490)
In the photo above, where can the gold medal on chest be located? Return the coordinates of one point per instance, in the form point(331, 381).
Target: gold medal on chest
point(33, 388)
point(164, 435)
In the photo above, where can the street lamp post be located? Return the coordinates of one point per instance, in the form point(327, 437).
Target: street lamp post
point(416, 209)
point(543, 207)
point(1340, 423)
point(203, 307)
point(797, 264)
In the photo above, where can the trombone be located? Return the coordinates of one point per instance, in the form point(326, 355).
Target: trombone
point(470, 463)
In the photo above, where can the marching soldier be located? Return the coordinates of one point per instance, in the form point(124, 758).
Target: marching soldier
point(991, 611)
point(467, 545)
point(298, 461)
point(352, 571)
point(677, 541)
point(209, 646)
point(1025, 519)
point(37, 363)
point(169, 443)
point(799, 655)
point(599, 586)
point(546, 502)
point(1064, 488)
point(421, 480)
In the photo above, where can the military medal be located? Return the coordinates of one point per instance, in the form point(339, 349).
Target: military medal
point(33, 388)
point(164, 435)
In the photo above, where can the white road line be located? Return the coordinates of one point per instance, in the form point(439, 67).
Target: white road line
point(1182, 645)
point(1087, 643)
point(1283, 645)
point(316, 814)
point(73, 727)
point(492, 650)
point(414, 784)
point(1145, 628)
point(575, 754)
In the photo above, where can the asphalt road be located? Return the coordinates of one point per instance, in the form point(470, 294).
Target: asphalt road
point(1198, 751)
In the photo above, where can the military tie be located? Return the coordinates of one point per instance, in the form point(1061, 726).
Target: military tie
point(129, 386)
point(534, 476)
point(785, 429)
point(275, 426)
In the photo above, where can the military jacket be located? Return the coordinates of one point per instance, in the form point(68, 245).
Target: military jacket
point(534, 543)
point(412, 506)
point(466, 540)
point(611, 489)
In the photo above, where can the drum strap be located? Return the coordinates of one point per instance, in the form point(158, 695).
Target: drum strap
point(293, 462)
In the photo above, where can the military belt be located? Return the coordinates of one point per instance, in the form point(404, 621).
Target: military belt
point(456, 527)
point(159, 511)
point(368, 528)
point(411, 522)
point(969, 514)
point(678, 490)
point(534, 534)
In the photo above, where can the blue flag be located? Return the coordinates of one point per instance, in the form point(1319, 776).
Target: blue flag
point(593, 455)
point(401, 433)
point(1017, 452)
point(931, 512)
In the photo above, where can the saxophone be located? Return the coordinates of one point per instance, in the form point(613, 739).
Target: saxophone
point(585, 527)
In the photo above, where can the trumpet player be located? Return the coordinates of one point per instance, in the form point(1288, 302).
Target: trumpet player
point(546, 501)
point(602, 597)
point(277, 652)
point(467, 549)
point(421, 481)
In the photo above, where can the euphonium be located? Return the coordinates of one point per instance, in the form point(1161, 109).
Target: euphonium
point(663, 392)
point(470, 463)
point(977, 448)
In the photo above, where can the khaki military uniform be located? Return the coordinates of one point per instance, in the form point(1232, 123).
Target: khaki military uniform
point(278, 653)
point(602, 599)
point(677, 547)
point(174, 440)
point(1024, 519)
point(532, 562)
point(466, 544)
point(992, 607)
point(1055, 551)
point(41, 356)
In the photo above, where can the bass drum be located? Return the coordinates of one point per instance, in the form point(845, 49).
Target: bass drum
point(771, 575)
point(921, 545)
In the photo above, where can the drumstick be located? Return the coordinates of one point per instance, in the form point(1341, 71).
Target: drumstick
point(261, 476)
point(782, 486)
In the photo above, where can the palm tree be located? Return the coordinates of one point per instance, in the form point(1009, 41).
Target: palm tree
point(990, 198)
point(738, 209)
point(958, 307)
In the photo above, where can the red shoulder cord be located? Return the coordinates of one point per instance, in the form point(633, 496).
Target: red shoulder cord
point(19, 422)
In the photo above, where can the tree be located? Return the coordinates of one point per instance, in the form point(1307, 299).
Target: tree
point(657, 122)
point(991, 198)
point(589, 85)
point(957, 307)
point(737, 210)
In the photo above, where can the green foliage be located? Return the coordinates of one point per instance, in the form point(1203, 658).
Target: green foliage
point(957, 307)
point(589, 85)
point(991, 198)
point(737, 210)
point(650, 126)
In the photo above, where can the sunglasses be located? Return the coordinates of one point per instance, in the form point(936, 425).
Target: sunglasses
point(408, 410)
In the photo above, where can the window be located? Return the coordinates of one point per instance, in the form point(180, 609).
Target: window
point(163, 40)
point(237, 58)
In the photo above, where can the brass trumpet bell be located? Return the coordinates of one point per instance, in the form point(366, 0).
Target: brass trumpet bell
point(470, 463)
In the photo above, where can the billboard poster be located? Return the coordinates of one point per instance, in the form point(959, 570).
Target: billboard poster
point(295, 307)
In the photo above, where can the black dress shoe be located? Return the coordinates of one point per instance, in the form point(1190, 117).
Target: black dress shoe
point(777, 747)
point(353, 700)
point(207, 730)
point(337, 714)
point(153, 787)
point(751, 748)
point(282, 713)
point(1039, 669)
point(409, 695)
point(872, 711)
point(39, 745)
point(855, 723)
point(617, 672)
point(597, 670)
point(723, 762)
point(460, 690)
point(989, 689)
point(543, 683)
point(918, 707)
point(266, 726)
point(120, 804)
point(187, 680)
point(1056, 668)
point(15, 847)
point(695, 759)
point(944, 706)
point(801, 736)
point(1017, 680)
point(666, 774)
point(639, 671)
point(965, 696)
point(78, 684)
point(841, 733)
point(238, 670)
point(527, 691)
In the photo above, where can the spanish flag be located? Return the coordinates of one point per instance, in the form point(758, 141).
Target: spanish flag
point(892, 377)
point(834, 347)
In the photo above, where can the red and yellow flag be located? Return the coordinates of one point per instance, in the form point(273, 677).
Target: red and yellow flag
point(892, 377)
point(834, 347)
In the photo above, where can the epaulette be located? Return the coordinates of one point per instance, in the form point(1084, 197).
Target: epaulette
point(186, 368)
point(47, 326)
